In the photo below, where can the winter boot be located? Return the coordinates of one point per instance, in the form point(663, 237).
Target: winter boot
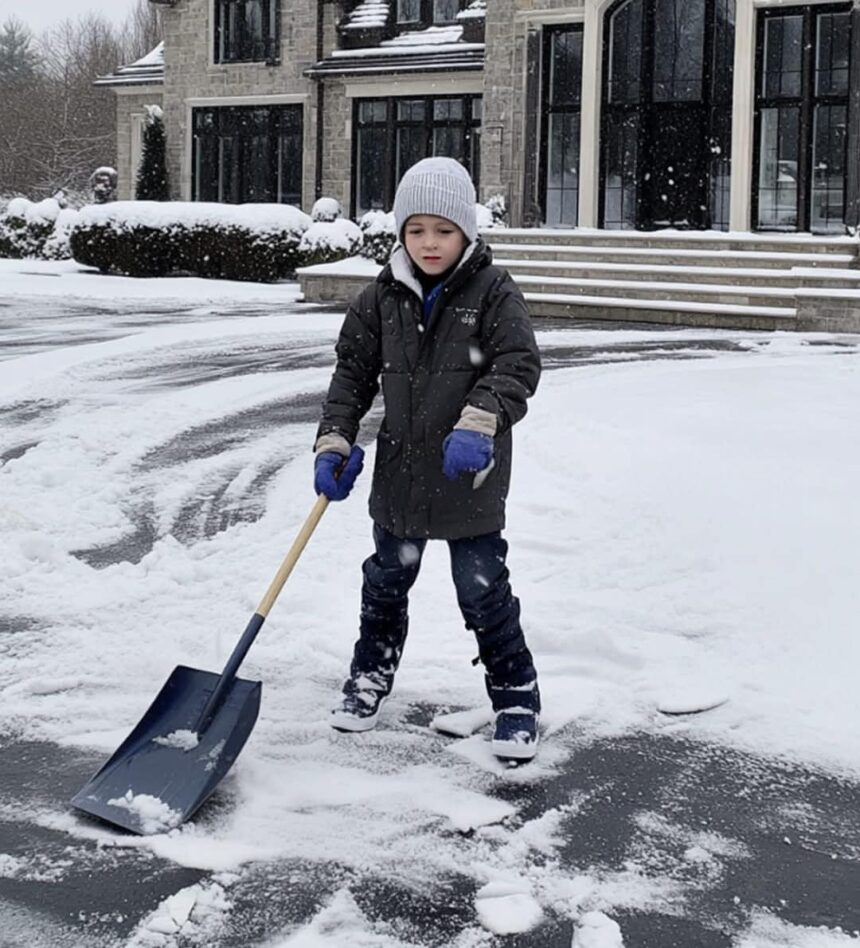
point(517, 710)
point(362, 699)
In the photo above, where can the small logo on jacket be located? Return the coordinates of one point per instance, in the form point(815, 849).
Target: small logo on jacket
point(468, 317)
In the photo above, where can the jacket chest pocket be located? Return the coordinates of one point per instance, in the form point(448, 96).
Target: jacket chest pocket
point(462, 348)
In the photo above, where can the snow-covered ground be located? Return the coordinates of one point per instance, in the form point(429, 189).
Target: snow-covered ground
point(684, 533)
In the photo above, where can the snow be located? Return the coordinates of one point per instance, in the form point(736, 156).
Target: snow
point(261, 217)
point(597, 930)
point(181, 740)
point(154, 815)
point(672, 523)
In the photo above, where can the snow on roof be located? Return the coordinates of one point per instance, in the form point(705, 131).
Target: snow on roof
point(434, 39)
point(367, 15)
point(477, 8)
point(147, 70)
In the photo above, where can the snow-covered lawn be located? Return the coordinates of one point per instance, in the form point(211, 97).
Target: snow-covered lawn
point(684, 531)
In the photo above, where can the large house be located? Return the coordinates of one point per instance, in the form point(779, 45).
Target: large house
point(618, 114)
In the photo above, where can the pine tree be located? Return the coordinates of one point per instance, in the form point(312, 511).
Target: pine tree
point(18, 60)
point(151, 182)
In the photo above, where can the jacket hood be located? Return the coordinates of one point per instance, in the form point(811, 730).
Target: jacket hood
point(399, 268)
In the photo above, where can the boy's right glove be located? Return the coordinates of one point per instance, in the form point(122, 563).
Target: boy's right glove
point(465, 450)
point(330, 480)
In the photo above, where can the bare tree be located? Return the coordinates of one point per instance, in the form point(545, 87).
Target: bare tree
point(57, 126)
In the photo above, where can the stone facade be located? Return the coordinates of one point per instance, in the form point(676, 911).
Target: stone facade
point(323, 73)
point(192, 78)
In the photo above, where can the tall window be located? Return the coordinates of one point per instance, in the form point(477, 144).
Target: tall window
point(393, 133)
point(801, 118)
point(562, 101)
point(247, 31)
point(667, 102)
point(248, 154)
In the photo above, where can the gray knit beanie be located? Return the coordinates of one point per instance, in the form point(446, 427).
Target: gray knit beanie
point(441, 187)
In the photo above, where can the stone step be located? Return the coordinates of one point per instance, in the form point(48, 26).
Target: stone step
point(795, 277)
point(676, 240)
point(684, 256)
point(708, 294)
point(671, 312)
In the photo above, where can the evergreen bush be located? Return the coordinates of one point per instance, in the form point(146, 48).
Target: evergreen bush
point(255, 242)
point(380, 235)
point(152, 184)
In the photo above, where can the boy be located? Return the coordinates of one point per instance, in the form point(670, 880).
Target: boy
point(450, 338)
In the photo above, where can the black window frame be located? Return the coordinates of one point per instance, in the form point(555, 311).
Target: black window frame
point(427, 16)
point(470, 125)
point(635, 112)
point(228, 50)
point(234, 124)
point(549, 108)
point(806, 103)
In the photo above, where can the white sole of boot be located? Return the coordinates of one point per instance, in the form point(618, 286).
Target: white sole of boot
point(352, 723)
point(514, 750)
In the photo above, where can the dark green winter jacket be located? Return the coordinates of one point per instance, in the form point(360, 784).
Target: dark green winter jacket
point(478, 349)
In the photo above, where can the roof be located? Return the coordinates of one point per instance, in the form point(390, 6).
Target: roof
point(148, 70)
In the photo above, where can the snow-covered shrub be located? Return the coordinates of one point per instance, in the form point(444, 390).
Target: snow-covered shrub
point(57, 247)
point(326, 209)
point(258, 242)
point(25, 226)
point(498, 208)
point(380, 235)
point(327, 241)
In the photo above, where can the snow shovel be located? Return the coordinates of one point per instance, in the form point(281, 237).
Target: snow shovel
point(191, 734)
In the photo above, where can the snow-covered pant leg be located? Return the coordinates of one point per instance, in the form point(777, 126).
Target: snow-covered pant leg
point(388, 576)
point(491, 610)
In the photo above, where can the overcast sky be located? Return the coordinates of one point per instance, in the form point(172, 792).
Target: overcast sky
point(40, 14)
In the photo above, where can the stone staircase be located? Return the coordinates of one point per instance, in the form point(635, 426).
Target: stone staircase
point(749, 281)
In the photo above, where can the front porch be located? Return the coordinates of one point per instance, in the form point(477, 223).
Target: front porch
point(699, 278)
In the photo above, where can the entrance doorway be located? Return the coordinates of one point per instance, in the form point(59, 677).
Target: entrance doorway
point(667, 100)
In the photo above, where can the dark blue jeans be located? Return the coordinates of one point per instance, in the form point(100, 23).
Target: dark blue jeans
point(484, 595)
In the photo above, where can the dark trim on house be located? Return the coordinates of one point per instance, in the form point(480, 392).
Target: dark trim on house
point(450, 60)
point(852, 183)
point(531, 209)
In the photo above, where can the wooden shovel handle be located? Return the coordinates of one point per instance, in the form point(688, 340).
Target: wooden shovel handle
point(293, 555)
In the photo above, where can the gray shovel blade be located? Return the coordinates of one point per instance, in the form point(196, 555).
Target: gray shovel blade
point(163, 772)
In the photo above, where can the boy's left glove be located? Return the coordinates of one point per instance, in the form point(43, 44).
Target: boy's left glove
point(330, 480)
point(465, 450)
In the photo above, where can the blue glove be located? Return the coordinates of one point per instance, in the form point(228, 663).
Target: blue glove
point(330, 480)
point(465, 450)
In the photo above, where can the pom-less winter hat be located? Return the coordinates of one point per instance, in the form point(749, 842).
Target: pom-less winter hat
point(438, 186)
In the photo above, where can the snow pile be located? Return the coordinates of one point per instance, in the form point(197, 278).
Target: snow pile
point(181, 740)
point(191, 916)
point(597, 930)
point(154, 816)
point(766, 931)
point(507, 908)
